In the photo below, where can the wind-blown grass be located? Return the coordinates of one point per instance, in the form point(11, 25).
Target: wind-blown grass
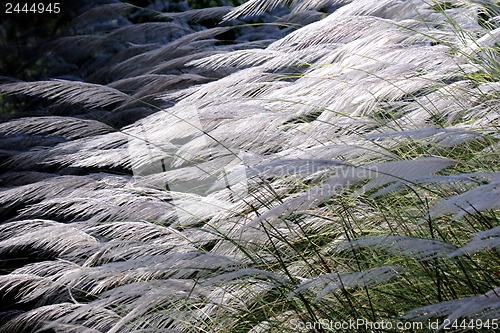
point(182, 170)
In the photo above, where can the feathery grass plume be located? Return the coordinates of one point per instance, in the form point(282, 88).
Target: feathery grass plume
point(89, 95)
point(72, 128)
point(483, 306)
point(418, 248)
point(475, 200)
point(336, 281)
point(202, 14)
point(99, 18)
point(242, 169)
point(483, 240)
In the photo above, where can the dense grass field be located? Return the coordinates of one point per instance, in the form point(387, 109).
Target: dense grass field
point(267, 166)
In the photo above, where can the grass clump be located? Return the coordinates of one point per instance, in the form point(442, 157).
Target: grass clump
point(303, 176)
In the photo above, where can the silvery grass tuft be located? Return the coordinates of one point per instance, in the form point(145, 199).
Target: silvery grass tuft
point(279, 166)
